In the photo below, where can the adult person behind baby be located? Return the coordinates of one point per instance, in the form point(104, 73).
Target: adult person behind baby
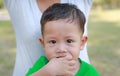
point(25, 16)
point(62, 40)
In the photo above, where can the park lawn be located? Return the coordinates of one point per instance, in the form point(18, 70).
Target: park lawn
point(7, 48)
point(103, 43)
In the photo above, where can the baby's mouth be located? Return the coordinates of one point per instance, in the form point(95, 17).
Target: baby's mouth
point(60, 56)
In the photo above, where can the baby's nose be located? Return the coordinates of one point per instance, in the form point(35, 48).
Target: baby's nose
point(61, 53)
point(61, 49)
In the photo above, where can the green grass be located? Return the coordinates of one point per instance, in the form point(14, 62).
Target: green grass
point(7, 48)
point(103, 43)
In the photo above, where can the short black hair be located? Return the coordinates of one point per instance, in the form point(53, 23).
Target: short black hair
point(63, 11)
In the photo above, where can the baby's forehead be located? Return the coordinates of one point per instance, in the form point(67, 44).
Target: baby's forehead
point(66, 21)
point(61, 22)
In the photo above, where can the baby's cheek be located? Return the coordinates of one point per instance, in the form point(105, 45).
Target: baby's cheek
point(49, 56)
point(76, 54)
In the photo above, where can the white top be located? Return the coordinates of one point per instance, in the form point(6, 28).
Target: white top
point(25, 16)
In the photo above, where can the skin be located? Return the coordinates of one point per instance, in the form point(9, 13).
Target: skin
point(62, 42)
point(67, 61)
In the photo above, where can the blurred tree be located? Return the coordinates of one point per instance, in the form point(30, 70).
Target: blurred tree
point(97, 2)
point(107, 4)
point(1, 4)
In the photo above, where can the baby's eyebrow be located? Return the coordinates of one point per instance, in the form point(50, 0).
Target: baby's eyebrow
point(71, 35)
point(50, 36)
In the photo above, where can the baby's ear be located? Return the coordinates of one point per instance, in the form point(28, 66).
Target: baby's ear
point(41, 41)
point(83, 41)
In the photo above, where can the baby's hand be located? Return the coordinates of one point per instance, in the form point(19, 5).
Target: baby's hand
point(63, 66)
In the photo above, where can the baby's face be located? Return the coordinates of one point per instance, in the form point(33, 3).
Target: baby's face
point(61, 39)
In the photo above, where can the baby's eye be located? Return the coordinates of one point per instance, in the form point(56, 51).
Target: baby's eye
point(69, 41)
point(52, 41)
